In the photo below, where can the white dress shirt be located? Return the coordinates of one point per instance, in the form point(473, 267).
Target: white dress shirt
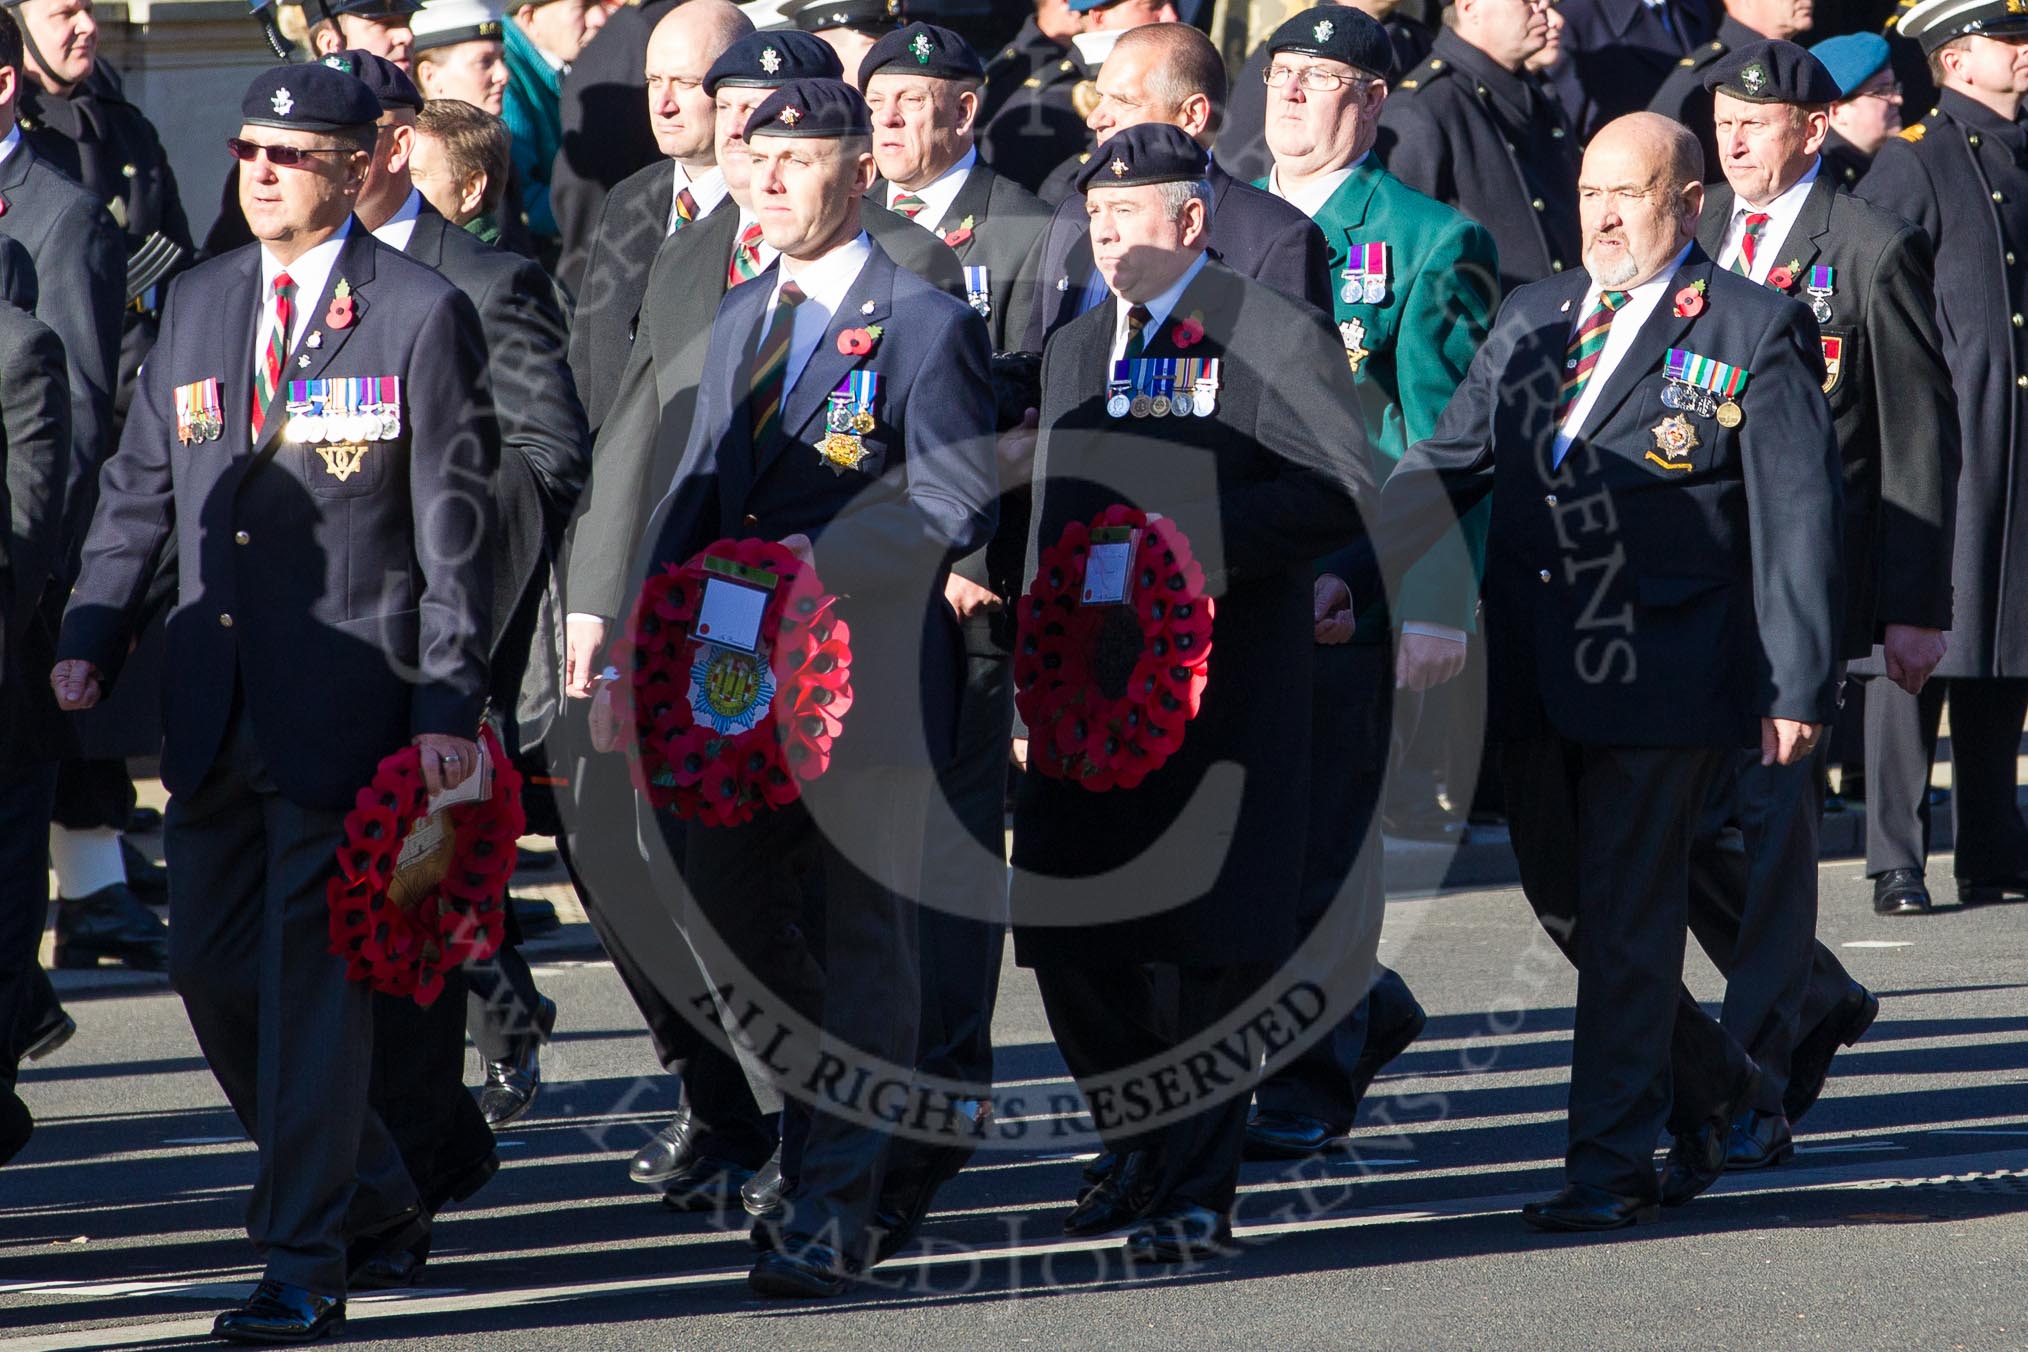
point(938, 194)
point(824, 282)
point(12, 140)
point(309, 273)
point(1158, 310)
point(1314, 194)
point(707, 190)
point(1781, 219)
point(396, 231)
point(1627, 321)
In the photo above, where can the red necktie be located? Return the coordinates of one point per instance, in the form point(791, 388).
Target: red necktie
point(1749, 243)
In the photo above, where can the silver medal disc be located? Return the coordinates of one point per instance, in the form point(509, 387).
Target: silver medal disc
point(1117, 406)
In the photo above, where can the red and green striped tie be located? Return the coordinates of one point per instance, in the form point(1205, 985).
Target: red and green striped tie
point(1585, 346)
point(1749, 243)
point(771, 364)
point(909, 205)
point(746, 259)
point(268, 375)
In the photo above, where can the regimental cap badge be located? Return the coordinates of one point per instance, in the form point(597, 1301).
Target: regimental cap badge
point(1119, 167)
point(284, 102)
point(1324, 29)
point(923, 48)
point(770, 60)
point(1753, 78)
point(791, 115)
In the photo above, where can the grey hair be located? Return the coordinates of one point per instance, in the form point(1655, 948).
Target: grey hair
point(1175, 194)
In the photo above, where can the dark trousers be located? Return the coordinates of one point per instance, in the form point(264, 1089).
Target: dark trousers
point(963, 863)
point(25, 796)
point(852, 970)
point(1753, 907)
point(1602, 835)
point(603, 852)
point(1107, 1016)
point(1901, 733)
point(93, 793)
point(500, 1003)
point(418, 1084)
point(289, 1038)
point(1351, 720)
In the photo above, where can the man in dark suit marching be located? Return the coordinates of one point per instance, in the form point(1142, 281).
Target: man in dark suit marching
point(1171, 73)
point(333, 606)
point(1270, 478)
point(882, 509)
point(1960, 175)
point(1662, 588)
point(1782, 220)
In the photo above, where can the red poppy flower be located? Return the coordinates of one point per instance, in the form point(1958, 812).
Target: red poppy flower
point(959, 237)
point(1689, 303)
point(855, 343)
point(1780, 278)
point(1188, 333)
point(340, 314)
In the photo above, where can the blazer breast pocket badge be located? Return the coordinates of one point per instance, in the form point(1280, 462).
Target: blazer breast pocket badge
point(847, 421)
point(200, 411)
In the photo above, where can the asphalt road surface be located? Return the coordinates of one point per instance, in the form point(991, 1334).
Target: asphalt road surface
point(1903, 1223)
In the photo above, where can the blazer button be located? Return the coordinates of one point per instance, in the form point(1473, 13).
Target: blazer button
point(2022, 381)
point(240, 537)
point(2010, 258)
point(225, 621)
point(1537, 204)
point(1999, 197)
point(1544, 575)
point(1551, 499)
point(1973, 138)
point(1556, 265)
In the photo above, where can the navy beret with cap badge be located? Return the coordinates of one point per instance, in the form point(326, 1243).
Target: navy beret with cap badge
point(771, 59)
point(367, 9)
point(812, 108)
point(311, 97)
point(389, 83)
point(1337, 33)
point(1773, 71)
point(923, 49)
point(1152, 152)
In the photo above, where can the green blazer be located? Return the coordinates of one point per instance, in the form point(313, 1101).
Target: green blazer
point(1442, 286)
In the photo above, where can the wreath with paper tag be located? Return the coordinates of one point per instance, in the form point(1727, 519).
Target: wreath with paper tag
point(1114, 650)
point(727, 724)
point(418, 893)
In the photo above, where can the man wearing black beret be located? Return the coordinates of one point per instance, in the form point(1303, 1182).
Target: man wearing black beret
point(1960, 174)
point(1266, 474)
point(845, 412)
point(334, 605)
point(1779, 220)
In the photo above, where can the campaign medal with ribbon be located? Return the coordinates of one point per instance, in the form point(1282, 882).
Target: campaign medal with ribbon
point(979, 291)
point(1165, 386)
point(200, 412)
point(1820, 288)
point(848, 420)
point(1365, 275)
point(1204, 398)
point(1119, 397)
point(1702, 386)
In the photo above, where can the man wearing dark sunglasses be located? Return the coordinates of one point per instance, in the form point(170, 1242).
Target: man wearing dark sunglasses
point(314, 439)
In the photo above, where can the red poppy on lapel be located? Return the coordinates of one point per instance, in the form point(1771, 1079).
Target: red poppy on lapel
point(1188, 333)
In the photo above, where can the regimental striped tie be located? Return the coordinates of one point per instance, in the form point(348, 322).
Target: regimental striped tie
point(1137, 342)
point(1585, 346)
point(746, 259)
point(771, 365)
point(909, 205)
point(275, 351)
point(686, 208)
point(1749, 243)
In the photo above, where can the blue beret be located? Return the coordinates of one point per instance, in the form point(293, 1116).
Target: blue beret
point(923, 49)
point(827, 108)
point(1852, 59)
point(1935, 22)
point(1152, 152)
point(1773, 71)
point(389, 83)
point(770, 60)
point(309, 98)
point(1087, 6)
point(875, 15)
point(1338, 33)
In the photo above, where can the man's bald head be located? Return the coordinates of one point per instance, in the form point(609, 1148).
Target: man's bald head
point(1162, 72)
point(1638, 197)
point(681, 49)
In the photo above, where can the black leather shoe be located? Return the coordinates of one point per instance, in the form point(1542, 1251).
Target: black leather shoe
point(149, 879)
point(1117, 1202)
point(16, 1125)
point(1759, 1140)
point(376, 1250)
point(1987, 891)
point(1580, 1206)
point(1695, 1161)
point(511, 1085)
point(796, 1270)
point(1400, 1019)
point(280, 1313)
point(1272, 1134)
point(1901, 891)
point(110, 923)
point(706, 1184)
point(914, 1173)
point(1184, 1233)
point(762, 1194)
point(668, 1153)
point(1810, 1063)
point(52, 1032)
point(393, 1269)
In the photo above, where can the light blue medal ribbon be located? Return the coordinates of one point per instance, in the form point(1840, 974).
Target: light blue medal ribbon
point(979, 291)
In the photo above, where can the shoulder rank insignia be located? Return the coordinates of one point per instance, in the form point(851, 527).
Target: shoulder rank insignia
point(1912, 134)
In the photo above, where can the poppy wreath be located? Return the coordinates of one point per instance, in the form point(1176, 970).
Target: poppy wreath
point(694, 770)
point(1106, 690)
point(405, 949)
